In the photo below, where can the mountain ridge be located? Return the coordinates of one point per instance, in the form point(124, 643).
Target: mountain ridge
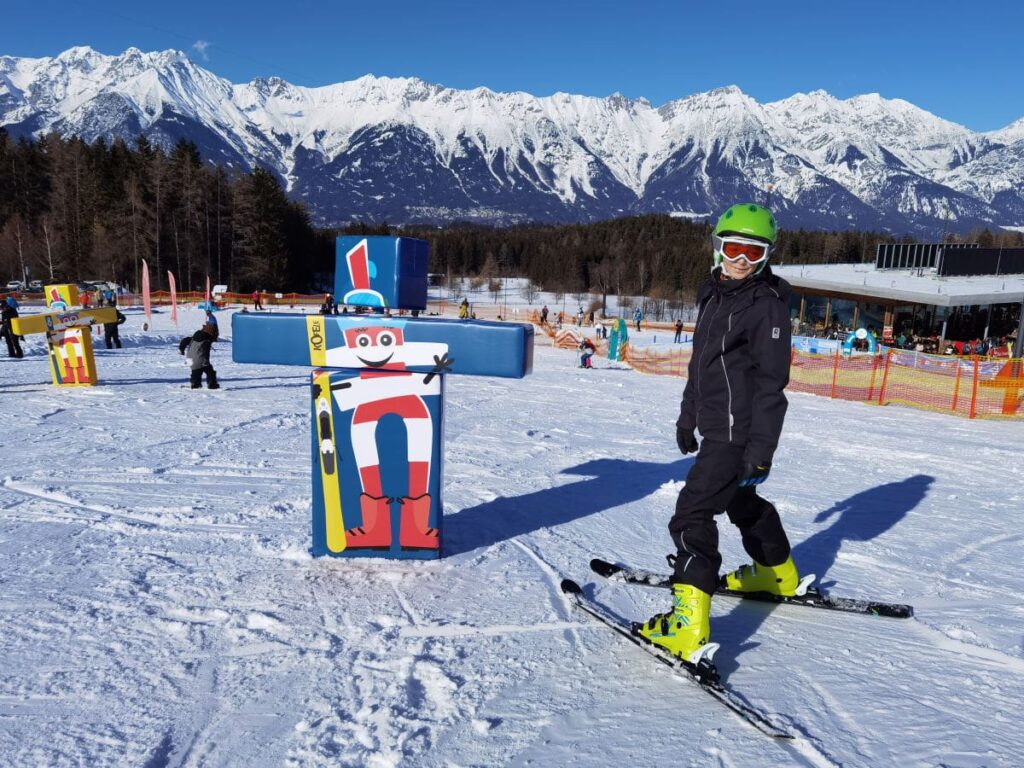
point(410, 151)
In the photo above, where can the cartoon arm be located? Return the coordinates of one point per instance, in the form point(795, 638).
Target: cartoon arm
point(442, 364)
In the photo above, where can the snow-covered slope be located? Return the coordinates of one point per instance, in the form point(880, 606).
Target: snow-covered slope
point(159, 606)
point(407, 150)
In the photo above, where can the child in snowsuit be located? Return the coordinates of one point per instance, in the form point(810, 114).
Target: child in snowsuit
point(197, 349)
point(111, 336)
point(734, 397)
point(587, 350)
point(9, 311)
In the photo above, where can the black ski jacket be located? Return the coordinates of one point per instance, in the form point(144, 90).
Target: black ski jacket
point(7, 313)
point(119, 319)
point(740, 363)
point(198, 347)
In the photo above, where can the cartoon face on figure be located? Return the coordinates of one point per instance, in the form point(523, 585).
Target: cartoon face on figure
point(382, 343)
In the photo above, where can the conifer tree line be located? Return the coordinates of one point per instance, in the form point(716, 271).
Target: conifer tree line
point(72, 211)
point(657, 256)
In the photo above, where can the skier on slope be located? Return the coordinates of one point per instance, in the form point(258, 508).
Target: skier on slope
point(734, 396)
point(197, 349)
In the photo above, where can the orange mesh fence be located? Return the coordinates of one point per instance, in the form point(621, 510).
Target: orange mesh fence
point(965, 386)
point(664, 362)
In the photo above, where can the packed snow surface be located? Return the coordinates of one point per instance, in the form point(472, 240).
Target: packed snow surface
point(160, 608)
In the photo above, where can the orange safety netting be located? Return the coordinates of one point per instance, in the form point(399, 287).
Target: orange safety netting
point(966, 386)
point(663, 362)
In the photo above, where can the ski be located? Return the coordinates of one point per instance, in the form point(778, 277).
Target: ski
point(811, 597)
point(703, 675)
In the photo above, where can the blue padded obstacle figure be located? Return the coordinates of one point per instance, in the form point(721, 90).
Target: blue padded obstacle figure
point(378, 396)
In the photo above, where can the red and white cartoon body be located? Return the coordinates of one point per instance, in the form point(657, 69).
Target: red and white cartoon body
point(376, 393)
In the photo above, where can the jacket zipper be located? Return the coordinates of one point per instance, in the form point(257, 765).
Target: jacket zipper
point(725, 372)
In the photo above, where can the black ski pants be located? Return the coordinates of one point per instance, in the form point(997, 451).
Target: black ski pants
point(13, 343)
point(712, 487)
point(112, 338)
point(211, 377)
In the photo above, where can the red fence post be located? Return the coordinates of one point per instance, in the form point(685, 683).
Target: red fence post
point(835, 374)
point(885, 378)
point(974, 391)
point(874, 372)
point(956, 386)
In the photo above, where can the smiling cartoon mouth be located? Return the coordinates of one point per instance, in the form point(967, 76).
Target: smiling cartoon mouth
point(375, 363)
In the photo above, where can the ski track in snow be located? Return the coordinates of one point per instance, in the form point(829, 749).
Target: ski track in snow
point(159, 606)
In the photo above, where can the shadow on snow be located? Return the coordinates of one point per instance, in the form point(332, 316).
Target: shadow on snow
point(606, 483)
point(861, 517)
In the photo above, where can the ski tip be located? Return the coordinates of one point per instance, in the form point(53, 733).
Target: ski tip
point(603, 567)
point(570, 587)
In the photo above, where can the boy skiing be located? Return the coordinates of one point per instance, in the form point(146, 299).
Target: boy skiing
point(197, 349)
point(734, 396)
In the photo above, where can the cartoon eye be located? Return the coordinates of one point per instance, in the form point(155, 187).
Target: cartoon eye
point(386, 339)
point(363, 340)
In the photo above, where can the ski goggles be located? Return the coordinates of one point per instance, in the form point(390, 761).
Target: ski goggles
point(733, 249)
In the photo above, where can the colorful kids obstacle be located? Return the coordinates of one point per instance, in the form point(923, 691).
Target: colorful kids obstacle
point(68, 335)
point(378, 396)
point(618, 339)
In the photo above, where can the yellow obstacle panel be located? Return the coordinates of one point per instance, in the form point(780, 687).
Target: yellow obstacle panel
point(68, 334)
point(53, 322)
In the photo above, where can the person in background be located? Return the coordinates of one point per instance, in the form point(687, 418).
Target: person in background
point(111, 336)
point(9, 311)
point(197, 349)
point(464, 310)
point(638, 316)
point(734, 396)
point(679, 332)
point(544, 315)
point(257, 304)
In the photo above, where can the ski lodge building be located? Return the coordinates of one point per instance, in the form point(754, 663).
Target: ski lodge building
point(946, 292)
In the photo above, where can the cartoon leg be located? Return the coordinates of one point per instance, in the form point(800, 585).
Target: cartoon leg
point(375, 530)
point(415, 531)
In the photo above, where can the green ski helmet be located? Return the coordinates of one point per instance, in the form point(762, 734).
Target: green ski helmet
point(749, 221)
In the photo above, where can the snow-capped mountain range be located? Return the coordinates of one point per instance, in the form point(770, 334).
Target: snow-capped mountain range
point(407, 151)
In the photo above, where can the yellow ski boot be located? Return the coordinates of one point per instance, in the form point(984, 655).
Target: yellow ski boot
point(774, 579)
point(683, 631)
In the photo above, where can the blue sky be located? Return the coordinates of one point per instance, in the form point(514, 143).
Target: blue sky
point(960, 60)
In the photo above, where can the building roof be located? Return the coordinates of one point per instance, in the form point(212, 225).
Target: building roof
point(912, 286)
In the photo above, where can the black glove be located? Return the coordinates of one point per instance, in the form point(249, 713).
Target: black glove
point(685, 438)
point(754, 473)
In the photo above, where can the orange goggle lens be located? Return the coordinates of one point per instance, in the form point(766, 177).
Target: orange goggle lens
point(753, 253)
